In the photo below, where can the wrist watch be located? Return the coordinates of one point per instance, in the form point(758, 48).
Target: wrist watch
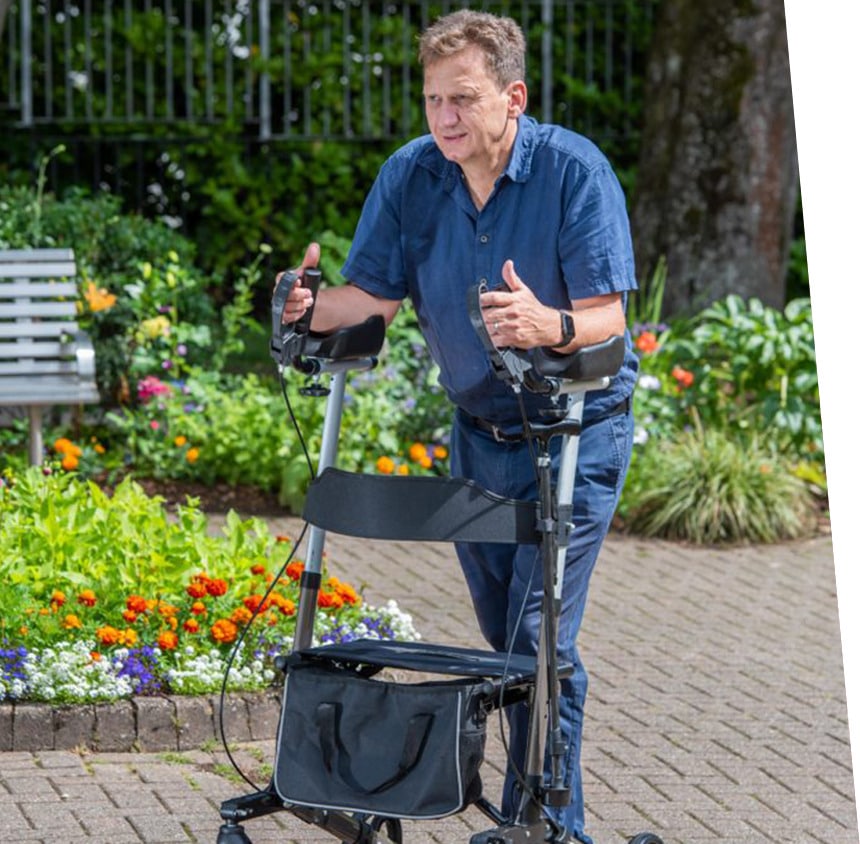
point(568, 332)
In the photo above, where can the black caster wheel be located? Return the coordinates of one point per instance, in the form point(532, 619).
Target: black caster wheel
point(645, 838)
point(390, 826)
point(232, 833)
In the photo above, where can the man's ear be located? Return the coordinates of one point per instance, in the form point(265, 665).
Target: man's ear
point(517, 98)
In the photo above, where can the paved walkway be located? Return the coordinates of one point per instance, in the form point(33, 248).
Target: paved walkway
point(717, 710)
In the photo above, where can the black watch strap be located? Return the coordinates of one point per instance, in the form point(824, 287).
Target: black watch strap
point(568, 332)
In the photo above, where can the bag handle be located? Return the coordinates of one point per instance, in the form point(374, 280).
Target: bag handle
point(335, 755)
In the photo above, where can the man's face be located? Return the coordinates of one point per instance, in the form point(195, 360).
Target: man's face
point(468, 116)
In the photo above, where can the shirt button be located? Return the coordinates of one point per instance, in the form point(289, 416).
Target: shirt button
point(484, 238)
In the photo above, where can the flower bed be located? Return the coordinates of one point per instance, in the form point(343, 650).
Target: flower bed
point(109, 596)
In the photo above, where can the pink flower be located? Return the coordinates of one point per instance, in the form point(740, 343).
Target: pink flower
point(151, 386)
point(154, 424)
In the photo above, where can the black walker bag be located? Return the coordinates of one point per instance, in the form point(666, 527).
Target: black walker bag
point(351, 743)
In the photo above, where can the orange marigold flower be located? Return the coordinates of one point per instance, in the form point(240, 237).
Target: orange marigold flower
point(683, 376)
point(129, 616)
point(166, 610)
point(216, 587)
point(168, 640)
point(258, 569)
point(255, 603)
point(440, 452)
point(108, 635)
point(180, 441)
point(385, 465)
point(128, 637)
point(191, 626)
point(87, 597)
point(63, 445)
point(72, 622)
point(57, 599)
point(403, 469)
point(294, 570)
point(196, 589)
point(426, 461)
point(98, 448)
point(646, 342)
point(329, 600)
point(347, 593)
point(69, 462)
point(224, 631)
point(198, 608)
point(95, 656)
point(241, 615)
point(136, 603)
point(192, 454)
point(417, 451)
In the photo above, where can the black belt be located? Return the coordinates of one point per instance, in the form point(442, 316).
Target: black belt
point(503, 437)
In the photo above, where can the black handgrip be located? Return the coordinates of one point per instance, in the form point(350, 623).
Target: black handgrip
point(288, 339)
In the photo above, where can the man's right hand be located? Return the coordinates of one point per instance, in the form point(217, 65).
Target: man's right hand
point(300, 298)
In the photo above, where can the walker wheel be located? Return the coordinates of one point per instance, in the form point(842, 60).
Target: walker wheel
point(390, 826)
point(645, 838)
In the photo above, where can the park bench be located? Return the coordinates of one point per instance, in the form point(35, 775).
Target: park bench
point(45, 358)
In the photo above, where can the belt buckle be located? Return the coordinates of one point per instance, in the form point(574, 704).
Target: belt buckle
point(498, 435)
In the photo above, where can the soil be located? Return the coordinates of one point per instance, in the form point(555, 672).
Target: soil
point(220, 498)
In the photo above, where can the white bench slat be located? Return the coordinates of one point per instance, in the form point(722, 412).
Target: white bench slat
point(56, 269)
point(38, 255)
point(38, 290)
point(15, 310)
point(35, 349)
point(26, 368)
point(47, 390)
point(27, 328)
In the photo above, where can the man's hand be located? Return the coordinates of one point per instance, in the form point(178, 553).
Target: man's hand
point(300, 298)
point(515, 317)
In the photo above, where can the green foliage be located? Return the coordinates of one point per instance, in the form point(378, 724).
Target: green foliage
point(59, 533)
point(744, 368)
point(707, 486)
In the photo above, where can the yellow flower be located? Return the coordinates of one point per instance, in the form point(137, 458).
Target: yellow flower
point(403, 469)
point(180, 441)
point(192, 454)
point(156, 327)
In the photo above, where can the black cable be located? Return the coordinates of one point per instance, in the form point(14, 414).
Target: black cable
point(247, 626)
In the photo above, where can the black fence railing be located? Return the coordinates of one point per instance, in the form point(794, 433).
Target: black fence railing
point(295, 69)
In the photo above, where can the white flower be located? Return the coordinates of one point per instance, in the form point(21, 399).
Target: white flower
point(648, 382)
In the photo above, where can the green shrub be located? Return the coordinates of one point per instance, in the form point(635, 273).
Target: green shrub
point(705, 486)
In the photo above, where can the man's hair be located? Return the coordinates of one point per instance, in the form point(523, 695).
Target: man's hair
point(499, 38)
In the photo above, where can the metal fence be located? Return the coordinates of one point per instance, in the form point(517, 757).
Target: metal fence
point(294, 69)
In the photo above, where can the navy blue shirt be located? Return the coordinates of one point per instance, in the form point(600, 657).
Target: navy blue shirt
point(557, 211)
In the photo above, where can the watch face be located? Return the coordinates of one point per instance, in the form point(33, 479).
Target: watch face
point(567, 329)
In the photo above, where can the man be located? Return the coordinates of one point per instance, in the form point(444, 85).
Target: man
point(536, 212)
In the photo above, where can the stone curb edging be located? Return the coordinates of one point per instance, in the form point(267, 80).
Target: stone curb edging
point(164, 723)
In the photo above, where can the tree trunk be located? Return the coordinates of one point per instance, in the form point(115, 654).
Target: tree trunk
point(716, 190)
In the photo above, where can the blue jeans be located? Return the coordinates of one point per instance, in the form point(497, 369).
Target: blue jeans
point(505, 581)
